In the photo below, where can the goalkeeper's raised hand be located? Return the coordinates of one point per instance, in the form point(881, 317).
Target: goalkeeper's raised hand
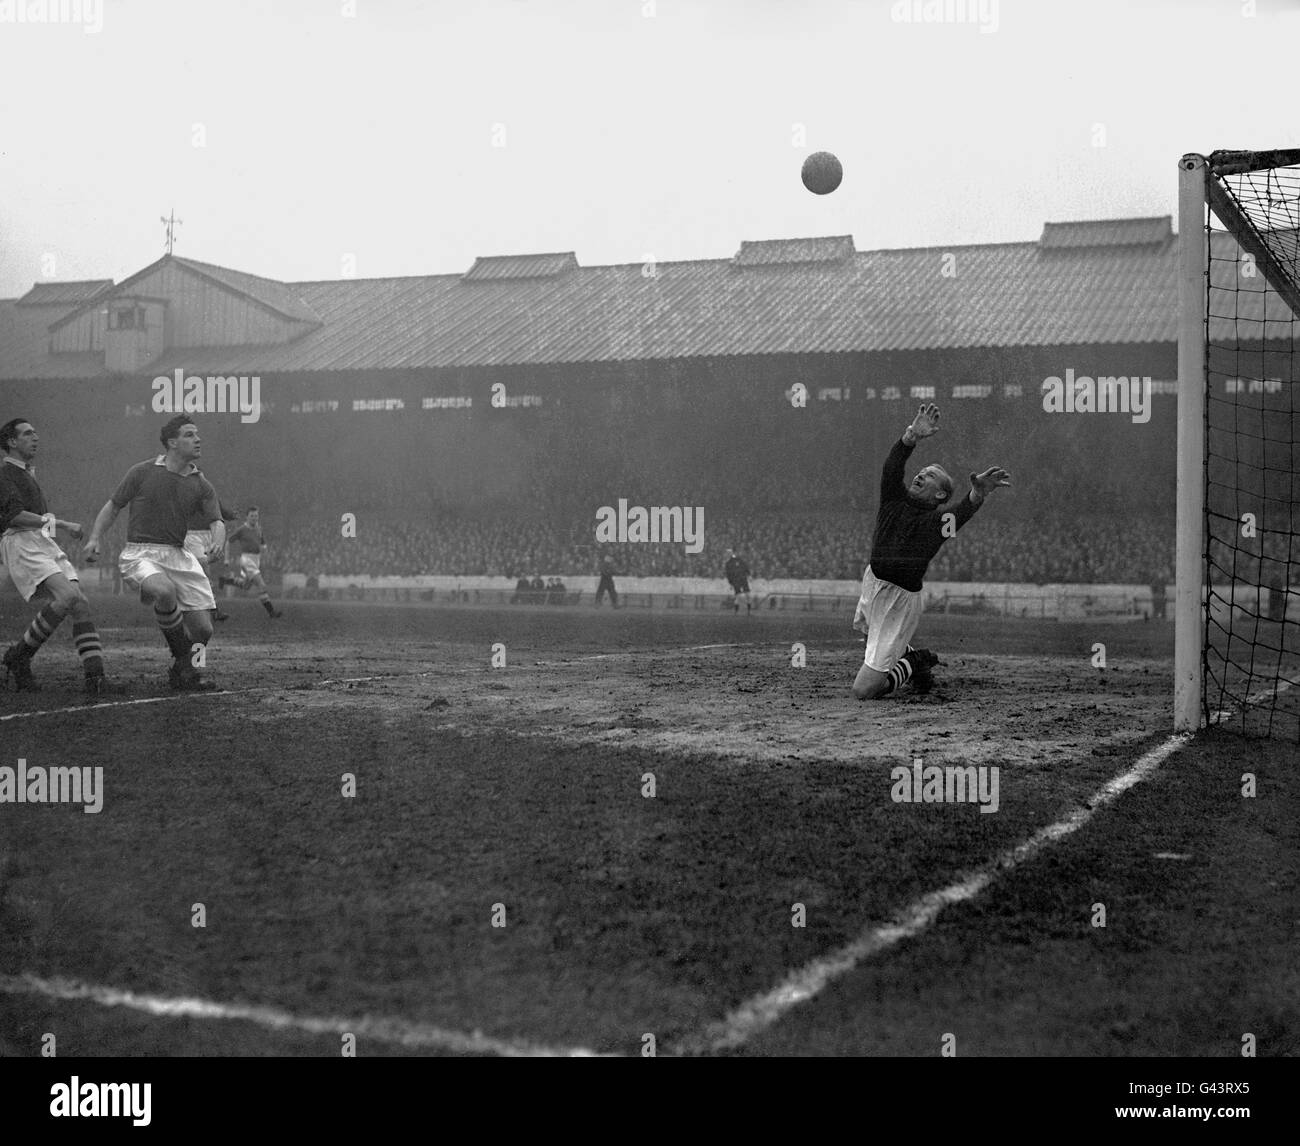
point(923, 425)
point(981, 485)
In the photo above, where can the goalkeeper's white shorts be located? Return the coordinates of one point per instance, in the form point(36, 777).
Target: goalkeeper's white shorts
point(889, 615)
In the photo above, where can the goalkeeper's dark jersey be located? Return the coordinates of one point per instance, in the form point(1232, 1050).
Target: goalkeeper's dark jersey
point(908, 533)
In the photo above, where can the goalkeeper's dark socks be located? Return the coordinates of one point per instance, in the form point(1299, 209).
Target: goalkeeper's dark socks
point(86, 638)
point(40, 630)
point(172, 625)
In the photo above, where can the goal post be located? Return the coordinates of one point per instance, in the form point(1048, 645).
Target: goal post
point(1237, 648)
point(1189, 545)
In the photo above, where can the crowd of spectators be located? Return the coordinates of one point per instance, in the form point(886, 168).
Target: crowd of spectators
point(795, 503)
point(821, 545)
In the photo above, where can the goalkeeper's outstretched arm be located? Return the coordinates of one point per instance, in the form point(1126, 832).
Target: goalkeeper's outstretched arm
point(981, 485)
point(926, 422)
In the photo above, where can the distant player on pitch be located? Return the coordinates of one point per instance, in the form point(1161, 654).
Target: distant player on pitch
point(245, 545)
point(737, 574)
point(607, 582)
point(913, 522)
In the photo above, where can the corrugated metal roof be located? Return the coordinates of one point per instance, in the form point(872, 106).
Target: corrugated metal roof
point(65, 294)
point(1107, 233)
point(277, 296)
point(493, 268)
point(780, 252)
point(25, 345)
point(998, 295)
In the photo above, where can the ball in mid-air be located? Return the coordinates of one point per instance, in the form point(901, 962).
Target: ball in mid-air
point(822, 173)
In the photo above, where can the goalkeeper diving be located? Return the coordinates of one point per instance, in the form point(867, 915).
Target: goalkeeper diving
point(913, 522)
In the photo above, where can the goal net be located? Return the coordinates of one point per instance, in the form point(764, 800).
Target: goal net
point(1237, 611)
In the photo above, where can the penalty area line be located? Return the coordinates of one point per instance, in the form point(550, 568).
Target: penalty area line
point(181, 695)
point(762, 1011)
point(401, 1032)
point(72, 708)
point(625, 653)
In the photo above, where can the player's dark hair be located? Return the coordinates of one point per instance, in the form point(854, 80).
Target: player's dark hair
point(9, 431)
point(251, 509)
point(173, 429)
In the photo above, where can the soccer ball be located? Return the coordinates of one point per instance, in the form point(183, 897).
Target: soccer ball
point(822, 173)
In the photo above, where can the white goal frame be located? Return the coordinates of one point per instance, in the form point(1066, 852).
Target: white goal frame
point(1189, 592)
point(1197, 191)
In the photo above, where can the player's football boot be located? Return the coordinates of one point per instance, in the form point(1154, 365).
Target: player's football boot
point(97, 684)
point(18, 665)
point(276, 614)
point(923, 660)
point(186, 678)
point(220, 616)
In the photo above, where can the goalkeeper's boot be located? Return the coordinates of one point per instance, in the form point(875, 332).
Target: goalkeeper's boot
point(923, 660)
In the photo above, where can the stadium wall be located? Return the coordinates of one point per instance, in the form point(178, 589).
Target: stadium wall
point(1052, 602)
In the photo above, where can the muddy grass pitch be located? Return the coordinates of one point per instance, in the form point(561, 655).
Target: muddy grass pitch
point(541, 830)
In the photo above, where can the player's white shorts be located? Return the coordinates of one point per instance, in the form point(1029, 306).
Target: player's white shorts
point(248, 566)
point(888, 614)
point(30, 557)
point(198, 542)
point(178, 565)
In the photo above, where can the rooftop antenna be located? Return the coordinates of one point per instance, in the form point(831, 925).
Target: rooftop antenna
point(170, 223)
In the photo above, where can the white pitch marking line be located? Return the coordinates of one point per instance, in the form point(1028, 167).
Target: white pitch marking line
point(341, 680)
point(219, 692)
point(102, 704)
point(388, 1030)
point(760, 1012)
point(647, 653)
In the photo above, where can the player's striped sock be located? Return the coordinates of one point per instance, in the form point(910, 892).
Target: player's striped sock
point(899, 675)
point(41, 629)
point(172, 625)
point(86, 637)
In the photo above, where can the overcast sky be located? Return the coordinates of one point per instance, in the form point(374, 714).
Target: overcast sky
point(298, 141)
